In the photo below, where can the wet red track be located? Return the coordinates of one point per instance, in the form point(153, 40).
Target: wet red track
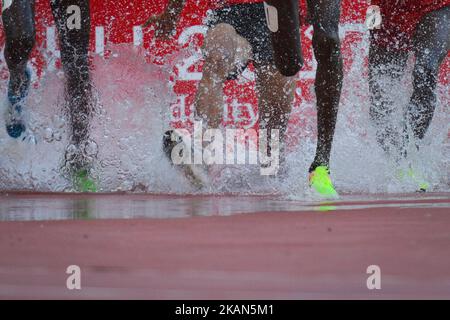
point(224, 247)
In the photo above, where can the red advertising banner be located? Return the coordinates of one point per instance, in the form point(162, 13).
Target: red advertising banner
point(120, 21)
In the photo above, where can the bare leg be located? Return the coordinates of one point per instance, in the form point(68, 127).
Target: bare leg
point(223, 50)
point(431, 45)
point(432, 42)
point(386, 67)
point(325, 16)
point(276, 94)
point(18, 21)
point(73, 22)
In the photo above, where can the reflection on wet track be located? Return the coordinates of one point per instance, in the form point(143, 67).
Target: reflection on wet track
point(29, 206)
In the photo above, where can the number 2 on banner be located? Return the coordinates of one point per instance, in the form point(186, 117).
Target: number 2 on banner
point(183, 68)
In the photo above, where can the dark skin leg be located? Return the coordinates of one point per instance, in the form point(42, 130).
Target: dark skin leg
point(386, 67)
point(74, 43)
point(72, 18)
point(324, 15)
point(276, 94)
point(18, 23)
point(430, 44)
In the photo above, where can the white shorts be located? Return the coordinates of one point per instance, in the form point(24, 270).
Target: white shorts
point(6, 4)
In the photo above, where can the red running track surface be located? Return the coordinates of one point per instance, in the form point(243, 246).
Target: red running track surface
point(184, 247)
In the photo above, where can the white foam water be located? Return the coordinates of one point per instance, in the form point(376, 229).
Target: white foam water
point(132, 115)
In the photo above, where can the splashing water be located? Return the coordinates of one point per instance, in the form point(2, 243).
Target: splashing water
point(132, 114)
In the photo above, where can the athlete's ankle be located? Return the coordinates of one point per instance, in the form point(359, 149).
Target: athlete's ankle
point(318, 163)
point(19, 83)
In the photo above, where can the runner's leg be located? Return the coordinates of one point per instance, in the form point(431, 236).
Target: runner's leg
point(431, 45)
point(73, 22)
point(325, 15)
point(18, 23)
point(386, 68)
point(223, 50)
point(275, 97)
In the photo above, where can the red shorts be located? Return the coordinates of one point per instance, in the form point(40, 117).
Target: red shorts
point(400, 20)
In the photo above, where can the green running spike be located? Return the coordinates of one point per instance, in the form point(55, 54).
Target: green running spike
point(320, 181)
point(83, 183)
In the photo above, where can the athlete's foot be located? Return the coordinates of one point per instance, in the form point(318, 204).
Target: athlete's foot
point(196, 174)
point(14, 117)
point(78, 163)
point(415, 177)
point(83, 182)
point(15, 124)
point(320, 182)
